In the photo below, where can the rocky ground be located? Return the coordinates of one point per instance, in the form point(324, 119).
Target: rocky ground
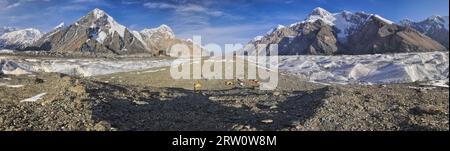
point(124, 101)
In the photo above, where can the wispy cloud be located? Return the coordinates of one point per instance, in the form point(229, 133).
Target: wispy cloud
point(87, 1)
point(74, 7)
point(183, 8)
point(160, 5)
point(195, 18)
point(129, 2)
point(11, 4)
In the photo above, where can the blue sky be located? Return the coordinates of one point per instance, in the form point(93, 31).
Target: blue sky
point(219, 21)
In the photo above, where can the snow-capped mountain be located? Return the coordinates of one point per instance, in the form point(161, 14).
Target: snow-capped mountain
point(99, 33)
point(436, 27)
point(19, 39)
point(345, 32)
point(345, 22)
point(161, 32)
point(160, 39)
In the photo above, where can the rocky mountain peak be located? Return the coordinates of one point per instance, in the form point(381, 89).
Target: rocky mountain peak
point(320, 12)
point(436, 27)
point(163, 30)
point(438, 20)
point(278, 27)
point(406, 22)
point(97, 33)
point(101, 24)
point(98, 13)
point(345, 32)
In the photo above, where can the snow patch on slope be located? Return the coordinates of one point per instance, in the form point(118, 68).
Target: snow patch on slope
point(34, 98)
point(101, 37)
point(103, 20)
point(116, 27)
point(383, 19)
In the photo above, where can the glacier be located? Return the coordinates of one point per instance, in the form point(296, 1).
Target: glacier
point(430, 67)
point(369, 69)
point(366, 69)
point(78, 67)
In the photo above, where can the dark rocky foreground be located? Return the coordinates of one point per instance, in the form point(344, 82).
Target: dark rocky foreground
point(80, 104)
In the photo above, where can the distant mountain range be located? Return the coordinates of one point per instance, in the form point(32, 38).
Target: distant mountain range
point(95, 33)
point(19, 39)
point(321, 33)
point(325, 33)
point(435, 27)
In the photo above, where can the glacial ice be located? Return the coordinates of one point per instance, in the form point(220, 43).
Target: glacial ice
point(369, 69)
point(82, 67)
point(432, 67)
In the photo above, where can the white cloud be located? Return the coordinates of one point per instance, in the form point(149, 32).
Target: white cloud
point(192, 8)
point(160, 5)
point(13, 5)
point(184, 8)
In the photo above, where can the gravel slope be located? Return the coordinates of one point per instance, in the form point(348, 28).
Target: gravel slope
point(72, 103)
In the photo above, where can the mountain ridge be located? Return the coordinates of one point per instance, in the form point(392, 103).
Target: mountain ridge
point(98, 33)
point(325, 33)
point(321, 33)
point(19, 39)
point(435, 27)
